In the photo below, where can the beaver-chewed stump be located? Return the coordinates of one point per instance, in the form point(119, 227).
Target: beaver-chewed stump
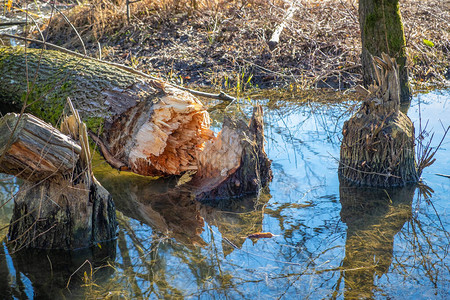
point(378, 141)
point(60, 205)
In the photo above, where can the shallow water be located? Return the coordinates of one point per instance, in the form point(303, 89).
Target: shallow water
point(330, 241)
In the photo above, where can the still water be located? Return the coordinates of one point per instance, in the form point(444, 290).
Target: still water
point(330, 241)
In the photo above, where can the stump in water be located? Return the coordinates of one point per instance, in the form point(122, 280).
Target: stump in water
point(378, 141)
point(60, 205)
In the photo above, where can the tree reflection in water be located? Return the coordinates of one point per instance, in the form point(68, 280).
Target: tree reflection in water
point(41, 274)
point(177, 222)
point(332, 241)
point(373, 218)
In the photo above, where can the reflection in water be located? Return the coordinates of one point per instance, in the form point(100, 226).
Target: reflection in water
point(236, 219)
point(173, 211)
point(41, 274)
point(325, 247)
point(177, 226)
point(373, 217)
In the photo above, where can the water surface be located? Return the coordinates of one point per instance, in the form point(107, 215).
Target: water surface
point(331, 240)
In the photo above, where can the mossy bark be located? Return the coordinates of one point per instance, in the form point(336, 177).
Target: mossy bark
point(46, 79)
point(382, 32)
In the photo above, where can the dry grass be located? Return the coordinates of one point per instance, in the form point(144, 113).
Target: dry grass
point(224, 43)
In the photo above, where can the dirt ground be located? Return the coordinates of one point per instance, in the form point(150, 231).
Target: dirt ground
point(224, 44)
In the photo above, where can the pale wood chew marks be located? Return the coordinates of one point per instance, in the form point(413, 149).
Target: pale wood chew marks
point(378, 141)
point(235, 163)
point(167, 142)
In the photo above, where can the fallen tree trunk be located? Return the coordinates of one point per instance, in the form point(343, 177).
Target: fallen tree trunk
point(60, 205)
point(378, 141)
point(149, 127)
point(142, 125)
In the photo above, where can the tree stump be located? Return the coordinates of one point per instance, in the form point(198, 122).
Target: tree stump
point(378, 141)
point(234, 163)
point(60, 205)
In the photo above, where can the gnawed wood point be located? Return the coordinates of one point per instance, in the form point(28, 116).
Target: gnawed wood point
point(378, 141)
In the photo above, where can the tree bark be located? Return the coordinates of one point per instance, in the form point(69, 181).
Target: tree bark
point(23, 146)
point(60, 205)
point(378, 141)
point(382, 32)
point(141, 124)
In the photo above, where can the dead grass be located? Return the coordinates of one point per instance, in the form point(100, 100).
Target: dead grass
point(224, 43)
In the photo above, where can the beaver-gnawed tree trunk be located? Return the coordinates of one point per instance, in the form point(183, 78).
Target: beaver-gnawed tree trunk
point(378, 141)
point(60, 205)
point(141, 124)
point(382, 32)
point(147, 127)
